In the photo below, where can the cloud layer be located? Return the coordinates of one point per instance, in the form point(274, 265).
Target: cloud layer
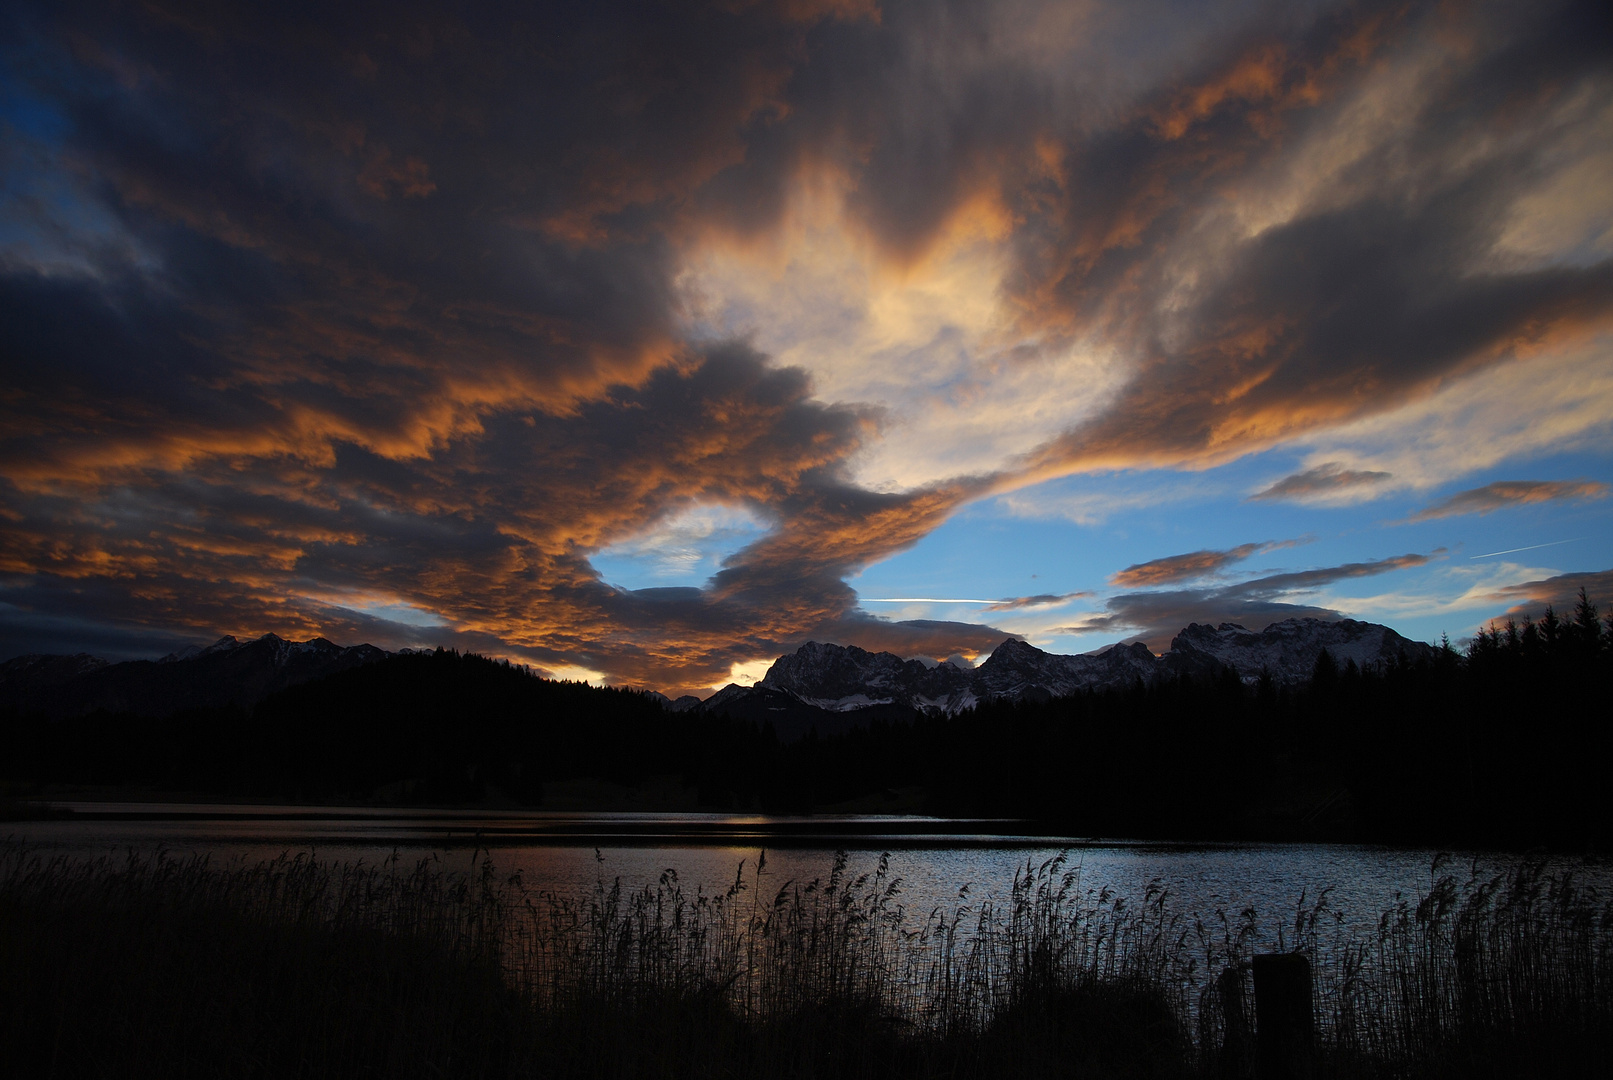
point(1196, 564)
point(1505, 493)
point(1329, 478)
point(1021, 603)
point(1154, 617)
point(1530, 599)
point(381, 321)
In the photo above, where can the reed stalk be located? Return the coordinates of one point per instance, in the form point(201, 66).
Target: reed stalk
point(151, 964)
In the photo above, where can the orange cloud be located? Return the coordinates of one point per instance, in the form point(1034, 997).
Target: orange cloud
point(1325, 479)
point(1156, 616)
point(381, 175)
point(1182, 567)
point(412, 318)
point(1530, 599)
point(1255, 77)
point(1504, 493)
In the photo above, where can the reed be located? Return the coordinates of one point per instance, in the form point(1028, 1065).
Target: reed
point(1505, 975)
point(156, 965)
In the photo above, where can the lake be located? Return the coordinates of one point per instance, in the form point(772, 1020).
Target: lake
point(944, 863)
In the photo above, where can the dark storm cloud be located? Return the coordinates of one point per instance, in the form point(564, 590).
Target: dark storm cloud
point(1505, 493)
point(1155, 617)
point(496, 531)
point(398, 326)
point(1326, 479)
point(332, 309)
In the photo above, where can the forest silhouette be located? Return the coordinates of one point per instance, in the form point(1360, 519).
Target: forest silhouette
point(1504, 745)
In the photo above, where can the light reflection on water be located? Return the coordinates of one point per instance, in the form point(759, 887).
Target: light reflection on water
point(936, 859)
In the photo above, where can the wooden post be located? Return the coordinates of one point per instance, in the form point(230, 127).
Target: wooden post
point(1284, 1023)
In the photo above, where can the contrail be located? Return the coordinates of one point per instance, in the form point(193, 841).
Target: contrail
point(1531, 547)
point(920, 600)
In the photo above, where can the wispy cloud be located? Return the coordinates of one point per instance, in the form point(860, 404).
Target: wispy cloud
point(1329, 478)
point(1194, 564)
point(1553, 399)
point(1505, 493)
point(1157, 615)
point(1320, 305)
point(1020, 603)
point(1303, 580)
point(923, 600)
point(1118, 496)
point(1531, 598)
point(1016, 603)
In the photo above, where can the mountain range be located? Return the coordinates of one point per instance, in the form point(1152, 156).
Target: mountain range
point(833, 687)
point(819, 686)
point(226, 673)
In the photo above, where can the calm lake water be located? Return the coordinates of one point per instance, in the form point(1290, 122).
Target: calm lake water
point(937, 859)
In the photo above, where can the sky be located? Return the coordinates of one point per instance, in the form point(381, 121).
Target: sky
point(644, 343)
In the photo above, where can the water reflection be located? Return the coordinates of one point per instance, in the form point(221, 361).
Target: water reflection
point(942, 862)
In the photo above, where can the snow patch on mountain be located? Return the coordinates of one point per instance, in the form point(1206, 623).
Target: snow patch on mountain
point(845, 678)
point(1288, 650)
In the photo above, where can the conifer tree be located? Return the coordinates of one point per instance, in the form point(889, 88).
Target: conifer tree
point(1587, 622)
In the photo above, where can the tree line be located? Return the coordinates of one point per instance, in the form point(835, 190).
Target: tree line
point(1506, 744)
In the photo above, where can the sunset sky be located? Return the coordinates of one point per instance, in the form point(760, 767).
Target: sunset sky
point(644, 343)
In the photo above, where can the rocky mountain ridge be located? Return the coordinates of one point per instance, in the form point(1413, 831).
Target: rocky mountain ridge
point(847, 679)
point(823, 686)
point(227, 673)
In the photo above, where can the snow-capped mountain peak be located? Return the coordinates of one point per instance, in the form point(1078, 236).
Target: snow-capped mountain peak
point(1288, 650)
point(845, 678)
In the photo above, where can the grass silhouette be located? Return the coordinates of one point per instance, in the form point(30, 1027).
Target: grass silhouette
point(155, 965)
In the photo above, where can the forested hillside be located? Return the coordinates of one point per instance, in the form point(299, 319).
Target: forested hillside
point(1509, 744)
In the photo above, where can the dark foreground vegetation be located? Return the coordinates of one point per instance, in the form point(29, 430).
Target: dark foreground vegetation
point(296, 968)
point(1508, 745)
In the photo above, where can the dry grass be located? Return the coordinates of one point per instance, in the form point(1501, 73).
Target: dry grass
point(294, 967)
point(1509, 975)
